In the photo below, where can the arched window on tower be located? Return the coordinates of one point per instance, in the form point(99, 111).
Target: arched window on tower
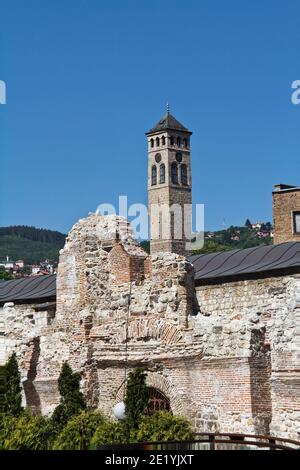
point(172, 140)
point(185, 142)
point(157, 141)
point(154, 175)
point(163, 140)
point(162, 173)
point(151, 143)
point(174, 173)
point(178, 141)
point(184, 178)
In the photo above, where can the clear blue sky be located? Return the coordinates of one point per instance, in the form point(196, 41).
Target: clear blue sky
point(86, 78)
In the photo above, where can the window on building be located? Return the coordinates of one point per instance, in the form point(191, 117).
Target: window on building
point(162, 173)
point(158, 400)
point(154, 175)
point(172, 140)
point(151, 143)
point(183, 170)
point(157, 141)
point(178, 141)
point(296, 221)
point(163, 140)
point(185, 142)
point(174, 173)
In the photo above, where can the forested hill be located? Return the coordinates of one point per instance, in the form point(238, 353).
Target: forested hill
point(239, 238)
point(31, 244)
point(34, 234)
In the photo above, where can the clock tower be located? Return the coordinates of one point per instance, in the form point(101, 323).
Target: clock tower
point(169, 185)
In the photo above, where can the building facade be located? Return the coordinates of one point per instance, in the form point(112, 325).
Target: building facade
point(286, 213)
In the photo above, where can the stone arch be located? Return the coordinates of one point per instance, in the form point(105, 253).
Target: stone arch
point(150, 328)
point(162, 384)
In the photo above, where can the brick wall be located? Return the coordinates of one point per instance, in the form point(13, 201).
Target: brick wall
point(125, 267)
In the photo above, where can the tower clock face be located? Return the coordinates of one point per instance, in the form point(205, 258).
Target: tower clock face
point(179, 157)
point(158, 157)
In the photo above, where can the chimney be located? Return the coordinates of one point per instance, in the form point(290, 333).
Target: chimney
point(286, 213)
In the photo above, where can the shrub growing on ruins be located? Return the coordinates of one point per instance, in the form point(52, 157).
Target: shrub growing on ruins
point(109, 432)
point(137, 398)
point(163, 426)
point(72, 400)
point(25, 432)
point(12, 396)
point(78, 432)
point(7, 425)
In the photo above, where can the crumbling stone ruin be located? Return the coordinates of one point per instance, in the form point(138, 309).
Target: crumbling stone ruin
point(224, 354)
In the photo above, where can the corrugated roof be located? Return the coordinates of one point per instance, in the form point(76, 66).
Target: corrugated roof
point(28, 288)
point(213, 266)
point(168, 122)
point(260, 259)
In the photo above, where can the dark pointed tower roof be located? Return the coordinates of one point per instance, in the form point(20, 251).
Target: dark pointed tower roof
point(168, 122)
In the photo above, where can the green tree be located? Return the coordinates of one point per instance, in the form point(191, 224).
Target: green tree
point(163, 426)
point(145, 244)
point(78, 432)
point(248, 223)
point(25, 432)
point(109, 432)
point(137, 397)
point(13, 397)
point(5, 275)
point(72, 401)
point(7, 426)
point(2, 388)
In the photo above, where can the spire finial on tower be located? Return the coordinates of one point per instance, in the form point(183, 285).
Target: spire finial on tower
point(168, 108)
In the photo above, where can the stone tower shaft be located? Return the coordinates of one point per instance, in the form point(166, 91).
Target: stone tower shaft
point(169, 186)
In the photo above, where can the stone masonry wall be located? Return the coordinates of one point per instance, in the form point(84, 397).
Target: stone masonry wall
point(225, 354)
point(270, 305)
point(100, 265)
